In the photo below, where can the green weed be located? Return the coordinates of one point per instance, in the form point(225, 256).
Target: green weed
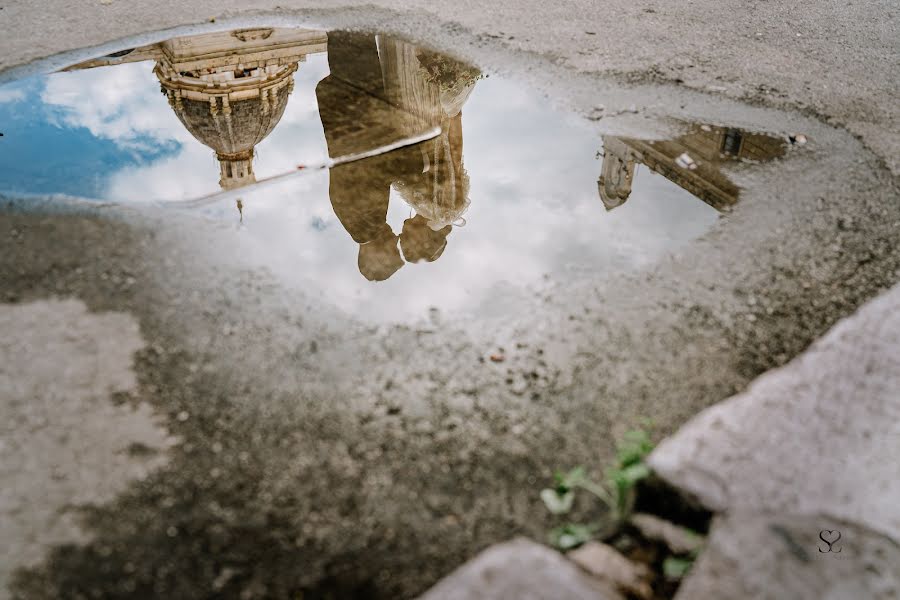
point(616, 492)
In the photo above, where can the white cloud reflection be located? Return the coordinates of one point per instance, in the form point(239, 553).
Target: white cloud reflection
point(10, 95)
point(123, 104)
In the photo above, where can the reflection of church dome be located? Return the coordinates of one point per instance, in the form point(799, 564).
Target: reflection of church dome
point(229, 108)
point(248, 125)
point(228, 88)
point(233, 128)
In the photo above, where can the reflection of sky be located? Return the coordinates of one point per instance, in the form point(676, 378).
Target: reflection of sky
point(535, 211)
point(47, 147)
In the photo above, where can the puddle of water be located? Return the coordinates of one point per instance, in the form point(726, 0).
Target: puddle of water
point(504, 195)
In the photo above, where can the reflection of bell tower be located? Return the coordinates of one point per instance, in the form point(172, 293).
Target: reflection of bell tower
point(229, 88)
point(617, 172)
point(709, 146)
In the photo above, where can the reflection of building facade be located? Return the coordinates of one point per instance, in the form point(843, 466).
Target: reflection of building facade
point(708, 148)
point(229, 88)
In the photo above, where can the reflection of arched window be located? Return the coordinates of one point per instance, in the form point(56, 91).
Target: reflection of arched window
point(731, 142)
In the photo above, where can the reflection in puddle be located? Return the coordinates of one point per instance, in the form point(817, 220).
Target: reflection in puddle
point(691, 161)
point(429, 177)
point(519, 206)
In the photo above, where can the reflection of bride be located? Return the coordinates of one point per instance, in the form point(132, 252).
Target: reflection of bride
point(430, 87)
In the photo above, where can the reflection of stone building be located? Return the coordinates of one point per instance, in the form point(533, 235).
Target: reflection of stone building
point(708, 148)
point(229, 88)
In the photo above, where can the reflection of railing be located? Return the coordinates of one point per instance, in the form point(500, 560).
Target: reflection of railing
point(229, 194)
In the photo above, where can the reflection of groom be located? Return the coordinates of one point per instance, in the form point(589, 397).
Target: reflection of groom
point(360, 190)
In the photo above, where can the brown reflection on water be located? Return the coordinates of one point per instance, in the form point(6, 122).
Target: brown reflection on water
point(230, 89)
point(431, 90)
point(692, 161)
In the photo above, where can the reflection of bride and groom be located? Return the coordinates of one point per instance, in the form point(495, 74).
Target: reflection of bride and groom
point(424, 90)
point(229, 89)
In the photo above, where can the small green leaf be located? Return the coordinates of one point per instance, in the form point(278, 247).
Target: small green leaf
point(558, 479)
point(556, 502)
point(571, 535)
point(634, 447)
point(571, 479)
point(696, 538)
point(635, 473)
point(676, 568)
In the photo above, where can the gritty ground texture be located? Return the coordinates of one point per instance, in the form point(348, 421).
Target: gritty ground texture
point(325, 456)
point(806, 449)
point(65, 445)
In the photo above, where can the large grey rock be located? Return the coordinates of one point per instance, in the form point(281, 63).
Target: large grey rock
point(809, 447)
point(778, 556)
point(820, 436)
point(520, 570)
